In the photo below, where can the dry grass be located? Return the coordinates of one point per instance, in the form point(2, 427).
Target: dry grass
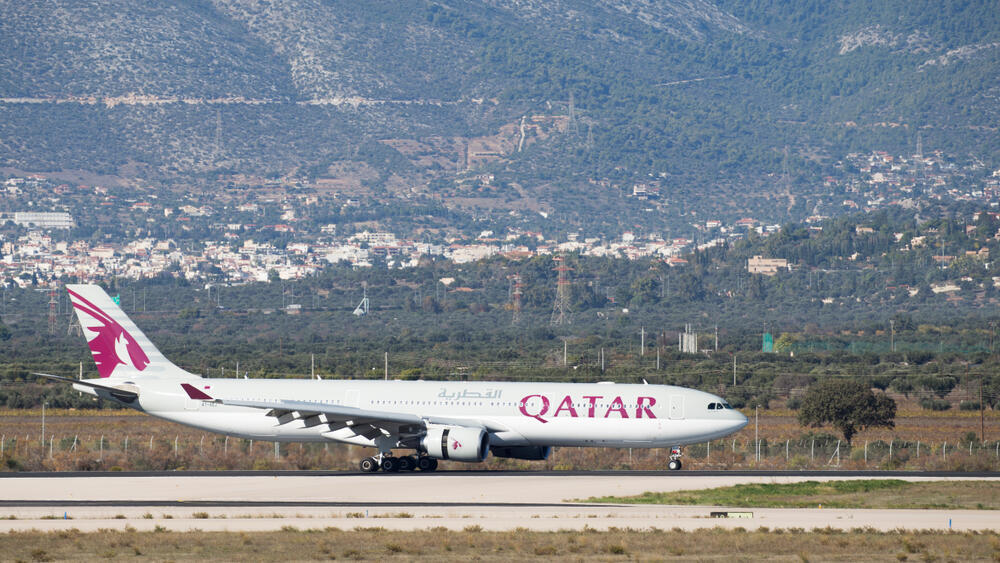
point(441, 544)
point(22, 448)
point(862, 493)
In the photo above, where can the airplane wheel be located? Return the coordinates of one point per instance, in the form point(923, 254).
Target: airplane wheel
point(369, 465)
point(674, 465)
point(425, 463)
point(390, 464)
point(407, 463)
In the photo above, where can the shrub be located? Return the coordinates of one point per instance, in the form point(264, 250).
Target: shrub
point(934, 404)
point(939, 385)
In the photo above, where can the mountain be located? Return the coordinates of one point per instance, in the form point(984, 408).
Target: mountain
point(706, 97)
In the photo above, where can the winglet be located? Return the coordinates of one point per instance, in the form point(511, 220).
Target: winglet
point(195, 393)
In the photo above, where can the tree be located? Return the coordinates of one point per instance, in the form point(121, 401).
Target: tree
point(850, 406)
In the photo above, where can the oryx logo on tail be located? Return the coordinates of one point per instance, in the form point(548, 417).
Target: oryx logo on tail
point(111, 345)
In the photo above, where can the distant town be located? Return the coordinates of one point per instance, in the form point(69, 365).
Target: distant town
point(54, 230)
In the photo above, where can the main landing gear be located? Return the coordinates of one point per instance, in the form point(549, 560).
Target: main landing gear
point(675, 459)
point(390, 464)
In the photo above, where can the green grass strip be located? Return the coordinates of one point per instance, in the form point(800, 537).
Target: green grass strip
point(864, 493)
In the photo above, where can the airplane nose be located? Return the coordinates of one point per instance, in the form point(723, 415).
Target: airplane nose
point(740, 420)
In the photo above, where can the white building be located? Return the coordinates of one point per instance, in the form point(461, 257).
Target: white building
point(43, 220)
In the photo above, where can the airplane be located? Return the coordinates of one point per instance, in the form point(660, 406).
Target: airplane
point(437, 420)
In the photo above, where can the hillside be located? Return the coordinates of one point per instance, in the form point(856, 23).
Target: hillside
point(705, 97)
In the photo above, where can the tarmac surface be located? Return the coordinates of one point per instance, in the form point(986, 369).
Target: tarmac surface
point(257, 501)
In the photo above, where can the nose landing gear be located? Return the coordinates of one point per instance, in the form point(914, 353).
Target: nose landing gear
point(675, 459)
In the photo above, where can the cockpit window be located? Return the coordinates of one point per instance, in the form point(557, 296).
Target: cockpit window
point(713, 406)
point(726, 406)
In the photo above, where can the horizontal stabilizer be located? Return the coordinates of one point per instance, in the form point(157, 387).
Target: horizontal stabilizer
point(123, 395)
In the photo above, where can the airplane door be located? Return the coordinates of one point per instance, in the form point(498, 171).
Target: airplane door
point(352, 398)
point(676, 407)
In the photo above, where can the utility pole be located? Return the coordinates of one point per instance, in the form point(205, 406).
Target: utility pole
point(756, 438)
point(892, 335)
point(516, 318)
point(560, 309)
point(43, 422)
point(565, 346)
point(982, 419)
point(53, 304)
point(642, 341)
point(387, 366)
point(734, 370)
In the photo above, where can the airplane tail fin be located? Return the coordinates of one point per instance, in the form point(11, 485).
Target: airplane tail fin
point(120, 349)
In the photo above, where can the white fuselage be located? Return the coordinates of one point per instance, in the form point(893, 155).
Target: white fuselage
point(515, 414)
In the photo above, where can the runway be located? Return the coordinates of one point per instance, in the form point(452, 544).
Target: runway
point(252, 501)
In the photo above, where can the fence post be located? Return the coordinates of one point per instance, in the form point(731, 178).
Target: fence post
point(277, 455)
point(175, 446)
point(201, 444)
point(150, 442)
point(918, 449)
point(50, 446)
point(225, 447)
point(866, 452)
point(812, 450)
point(2, 440)
point(970, 448)
point(100, 456)
point(708, 451)
point(73, 447)
point(786, 451)
point(944, 451)
point(890, 450)
point(126, 445)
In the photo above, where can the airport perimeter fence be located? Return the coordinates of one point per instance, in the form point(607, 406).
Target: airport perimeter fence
point(149, 452)
point(156, 452)
point(820, 453)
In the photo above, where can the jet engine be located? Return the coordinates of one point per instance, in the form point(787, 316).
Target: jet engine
point(458, 443)
point(522, 452)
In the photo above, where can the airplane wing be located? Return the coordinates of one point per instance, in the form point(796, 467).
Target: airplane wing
point(365, 421)
point(121, 394)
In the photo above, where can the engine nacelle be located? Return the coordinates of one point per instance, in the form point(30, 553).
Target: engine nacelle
point(458, 443)
point(522, 452)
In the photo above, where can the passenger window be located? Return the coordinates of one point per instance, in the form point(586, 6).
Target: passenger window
point(711, 406)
